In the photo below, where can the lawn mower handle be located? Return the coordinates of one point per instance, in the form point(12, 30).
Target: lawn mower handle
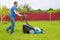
point(24, 18)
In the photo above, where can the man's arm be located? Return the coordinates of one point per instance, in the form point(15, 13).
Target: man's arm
point(17, 13)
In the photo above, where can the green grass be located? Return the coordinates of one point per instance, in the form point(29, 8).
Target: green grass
point(52, 29)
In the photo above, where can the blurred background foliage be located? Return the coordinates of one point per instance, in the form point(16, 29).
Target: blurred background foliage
point(26, 8)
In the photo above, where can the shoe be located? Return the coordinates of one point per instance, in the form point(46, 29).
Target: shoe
point(12, 33)
point(7, 30)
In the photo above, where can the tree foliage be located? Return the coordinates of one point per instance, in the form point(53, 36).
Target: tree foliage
point(4, 10)
point(25, 8)
point(57, 10)
point(50, 9)
point(38, 10)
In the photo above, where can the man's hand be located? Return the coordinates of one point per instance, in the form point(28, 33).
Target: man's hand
point(21, 15)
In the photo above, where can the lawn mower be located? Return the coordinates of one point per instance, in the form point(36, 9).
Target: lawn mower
point(27, 28)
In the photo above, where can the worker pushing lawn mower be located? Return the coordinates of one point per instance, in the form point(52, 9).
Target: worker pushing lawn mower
point(26, 27)
point(13, 13)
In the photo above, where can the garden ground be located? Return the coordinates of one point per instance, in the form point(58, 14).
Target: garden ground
point(52, 29)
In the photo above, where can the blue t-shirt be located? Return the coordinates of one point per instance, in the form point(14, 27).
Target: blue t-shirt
point(12, 14)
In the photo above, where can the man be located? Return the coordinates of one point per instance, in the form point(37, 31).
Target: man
point(13, 13)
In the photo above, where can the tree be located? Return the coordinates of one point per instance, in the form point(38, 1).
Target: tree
point(50, 12)
point(57, 10)
point(50, 9)
point(38, 10)
point(25, 8)
point(18, 9)
point(3, 12)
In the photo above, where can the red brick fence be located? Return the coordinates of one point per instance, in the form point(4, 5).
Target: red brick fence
point(37, 16)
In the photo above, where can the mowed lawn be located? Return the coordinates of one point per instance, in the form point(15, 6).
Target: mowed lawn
point(52, 29)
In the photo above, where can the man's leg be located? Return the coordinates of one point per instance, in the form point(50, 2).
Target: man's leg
point(9, 26)
point(12, 26)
